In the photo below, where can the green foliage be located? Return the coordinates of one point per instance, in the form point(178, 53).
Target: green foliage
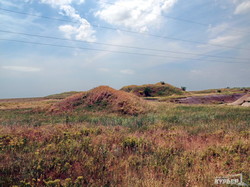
point(184, 88)
point(131, 143)
point(147, 92)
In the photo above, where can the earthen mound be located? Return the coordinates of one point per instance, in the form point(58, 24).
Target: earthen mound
point(103, 98)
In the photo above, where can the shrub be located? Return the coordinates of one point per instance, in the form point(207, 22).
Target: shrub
point(184, 88)
point(130, 143)
point(147, 92)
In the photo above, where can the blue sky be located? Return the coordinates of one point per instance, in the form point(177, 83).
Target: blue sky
point(197, 44)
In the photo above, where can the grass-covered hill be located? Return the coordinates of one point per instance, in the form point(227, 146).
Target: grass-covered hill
point(153, 90)
point(103, 98)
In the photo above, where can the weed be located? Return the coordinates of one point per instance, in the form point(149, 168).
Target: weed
point(175, 145)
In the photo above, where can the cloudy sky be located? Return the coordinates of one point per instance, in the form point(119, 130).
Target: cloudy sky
point(53, 46)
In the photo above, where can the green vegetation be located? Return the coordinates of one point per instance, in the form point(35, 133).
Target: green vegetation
point(147, 92)
point(184, 88)
point(173, 145)
point(153, 90)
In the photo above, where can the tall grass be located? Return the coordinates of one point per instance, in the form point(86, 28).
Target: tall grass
point(176, 145)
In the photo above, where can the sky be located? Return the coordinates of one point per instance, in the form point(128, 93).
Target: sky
point(54, 46)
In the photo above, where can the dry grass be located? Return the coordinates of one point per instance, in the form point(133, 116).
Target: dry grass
point(26, 103)
point(86, 155)
point(175, 145)
point(103, 98)
point(61, 95)
point(222, 91)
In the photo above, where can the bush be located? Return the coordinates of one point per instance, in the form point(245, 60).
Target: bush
point(184, 88)
point(147, 92)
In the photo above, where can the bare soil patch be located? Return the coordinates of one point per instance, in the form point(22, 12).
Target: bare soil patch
point(209, 99)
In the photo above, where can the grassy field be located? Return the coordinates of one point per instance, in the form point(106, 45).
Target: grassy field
point(173, 145)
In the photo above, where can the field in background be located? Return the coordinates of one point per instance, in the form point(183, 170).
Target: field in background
point(173, 145)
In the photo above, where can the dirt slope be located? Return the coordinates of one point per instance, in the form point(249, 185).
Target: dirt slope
point(242, 101)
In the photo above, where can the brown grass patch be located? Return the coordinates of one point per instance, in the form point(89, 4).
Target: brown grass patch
point(34, 103)
point(103, 98)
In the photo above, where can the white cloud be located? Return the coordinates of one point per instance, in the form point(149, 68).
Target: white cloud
point(70, 11)
point(243, 8)
point(218, 29)
point(226, 39)
point(134, 14)
point(21, 68)
point(104, 69)
point(68, 30)
point(127, 71)
point(82, 30)
point(222, 35)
